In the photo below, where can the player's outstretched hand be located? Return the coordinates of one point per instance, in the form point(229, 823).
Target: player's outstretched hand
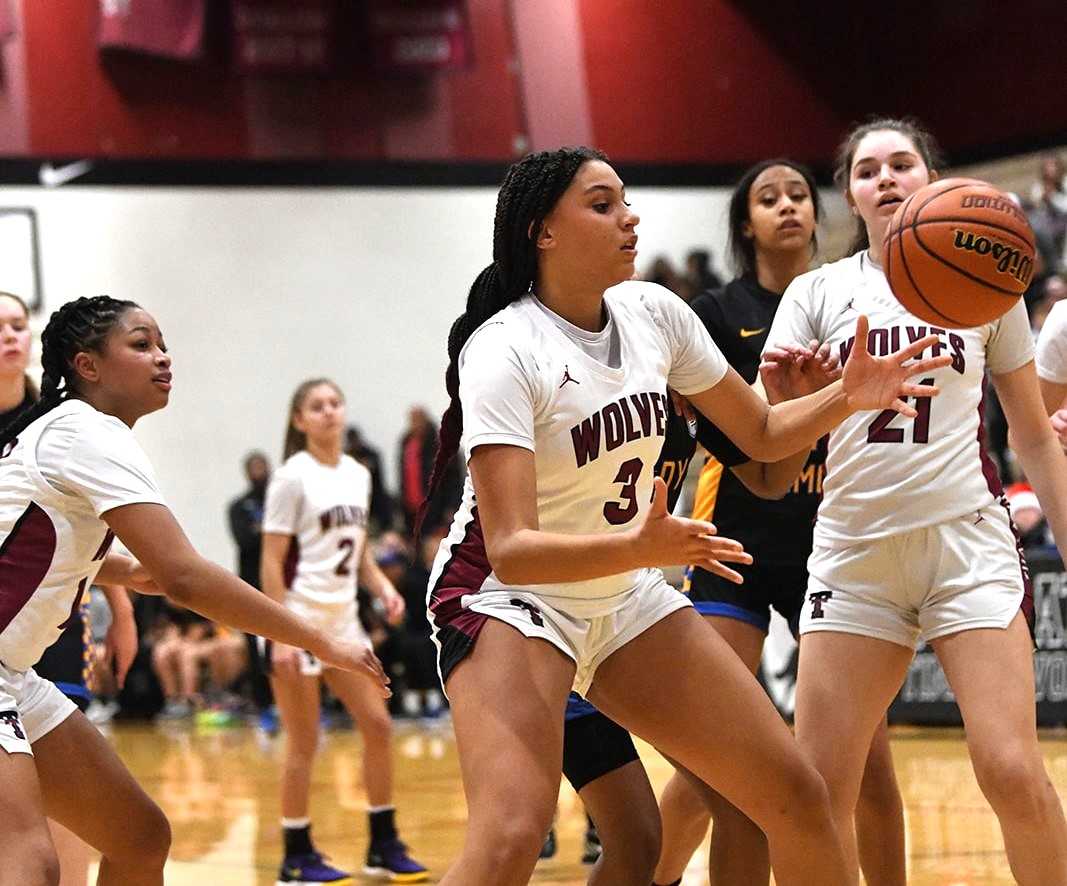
point(666, 540)
point(355, 657)
point(791, 371)
point(872, 382)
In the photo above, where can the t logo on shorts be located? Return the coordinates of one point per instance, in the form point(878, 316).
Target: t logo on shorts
point(535, 613)
point(817, 599)
point(12, 719)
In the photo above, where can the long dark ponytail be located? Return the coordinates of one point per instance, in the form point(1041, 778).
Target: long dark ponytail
point(530, 190)
point(80, 325)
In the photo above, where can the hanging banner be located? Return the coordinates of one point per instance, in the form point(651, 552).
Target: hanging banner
point(419, 35)
point(284, 36)
point(166, 28)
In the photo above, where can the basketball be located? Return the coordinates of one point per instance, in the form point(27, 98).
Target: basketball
point(959, 253)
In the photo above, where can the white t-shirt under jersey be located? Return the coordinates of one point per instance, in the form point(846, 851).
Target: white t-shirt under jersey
point(66, 469)
point(887, 474)
point(1052, 345)
point(595, 431)
point(324, 507)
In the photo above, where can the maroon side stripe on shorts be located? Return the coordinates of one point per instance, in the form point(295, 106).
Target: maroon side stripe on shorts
point(464, 573)
point(25, 558)
point(996, 489)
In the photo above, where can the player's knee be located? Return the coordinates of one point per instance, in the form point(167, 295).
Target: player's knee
point(804, 802)
point(145, 837)
point(1015, 783)
point(517, 836)
point(377, 727)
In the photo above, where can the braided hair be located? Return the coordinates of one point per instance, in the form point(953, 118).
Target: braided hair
point(530, 191)
point(80, 325)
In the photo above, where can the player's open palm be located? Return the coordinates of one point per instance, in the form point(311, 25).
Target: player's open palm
point(666, 540)
point(872, 382)
point(356, 657)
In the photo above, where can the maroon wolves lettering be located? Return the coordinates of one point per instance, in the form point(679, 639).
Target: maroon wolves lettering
point(621, 421)
point(343, 515)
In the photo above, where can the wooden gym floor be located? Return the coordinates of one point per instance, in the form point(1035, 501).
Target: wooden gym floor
point(219, 789)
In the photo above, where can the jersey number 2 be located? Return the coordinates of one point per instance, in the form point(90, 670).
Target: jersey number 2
point(878, 431)
point(347, 545)
point(614, 512)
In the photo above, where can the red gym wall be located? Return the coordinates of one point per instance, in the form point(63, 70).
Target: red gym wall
point(649, 81)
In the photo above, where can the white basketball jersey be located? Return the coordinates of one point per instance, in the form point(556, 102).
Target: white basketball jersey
point(324, 508)
point(1052, 345)
point(596, 432)
point(885, 473)
point(65, 470)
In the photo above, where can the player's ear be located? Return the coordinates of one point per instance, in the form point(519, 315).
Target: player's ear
point(85, 364)
point(934, 175)
point(543, 237)
point(747, 231)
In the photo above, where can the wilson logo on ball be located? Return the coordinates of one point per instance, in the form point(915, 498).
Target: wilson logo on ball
point(1009, 260)
point(996, 204)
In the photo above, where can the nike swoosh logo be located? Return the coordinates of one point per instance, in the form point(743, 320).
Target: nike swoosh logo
point(53, 176)
point(748, 333)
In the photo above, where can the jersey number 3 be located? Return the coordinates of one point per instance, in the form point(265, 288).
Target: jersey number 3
point(617, 513)
point(878, 431)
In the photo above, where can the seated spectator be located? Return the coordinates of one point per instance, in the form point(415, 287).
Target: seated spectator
point(186, 646)
point(421, 694)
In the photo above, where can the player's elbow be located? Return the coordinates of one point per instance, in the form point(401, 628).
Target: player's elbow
point(182, 583)
point(506, 562)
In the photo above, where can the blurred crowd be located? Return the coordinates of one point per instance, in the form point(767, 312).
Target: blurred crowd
point(188, 668)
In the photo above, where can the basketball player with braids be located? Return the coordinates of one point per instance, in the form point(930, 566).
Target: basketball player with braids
point(913, 539)
point(773, 214)
point(557, 378)
point(67, 661)
point(72, 477)
point(314, 549)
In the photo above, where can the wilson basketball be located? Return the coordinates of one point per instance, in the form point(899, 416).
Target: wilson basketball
point(959, 253)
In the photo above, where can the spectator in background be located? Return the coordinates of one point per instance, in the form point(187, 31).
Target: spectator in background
point(381, 502)
point(246, 526)
point(699, 271)
point(417, 449)
point(246, 517)
point(421, 689)
point(662, 272)
point(1048, 212)
point(1028, 515)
